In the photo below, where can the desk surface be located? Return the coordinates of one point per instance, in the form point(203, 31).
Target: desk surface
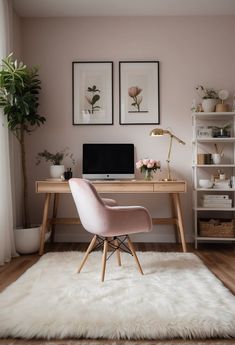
point(121, 186)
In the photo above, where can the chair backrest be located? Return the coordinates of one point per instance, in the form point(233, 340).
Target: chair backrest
point(90, 207)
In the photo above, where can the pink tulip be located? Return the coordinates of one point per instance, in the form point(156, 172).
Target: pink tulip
point(134, 91)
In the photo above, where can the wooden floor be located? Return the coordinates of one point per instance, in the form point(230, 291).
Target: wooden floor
point(220, 259)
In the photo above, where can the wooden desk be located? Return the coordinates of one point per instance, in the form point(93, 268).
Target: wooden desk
point(173, 188)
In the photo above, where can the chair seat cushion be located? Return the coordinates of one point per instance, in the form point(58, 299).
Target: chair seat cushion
point(109, 202)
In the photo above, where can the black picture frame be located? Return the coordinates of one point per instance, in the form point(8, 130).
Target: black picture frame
point(92, 104)
point(139, 93)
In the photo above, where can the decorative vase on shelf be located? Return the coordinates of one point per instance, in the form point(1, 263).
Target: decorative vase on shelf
point(208, 105)
point(56, 171)
point(148, 175)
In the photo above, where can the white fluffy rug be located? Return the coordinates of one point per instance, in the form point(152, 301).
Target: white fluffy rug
point(177, 297)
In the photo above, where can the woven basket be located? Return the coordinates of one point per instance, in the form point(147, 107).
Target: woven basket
point(217, 228)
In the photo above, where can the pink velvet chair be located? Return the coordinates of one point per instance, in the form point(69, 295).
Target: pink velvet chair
point(111, 225)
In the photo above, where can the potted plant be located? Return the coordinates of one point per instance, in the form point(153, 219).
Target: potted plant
point(19, 99)
point(57, 168)
point(210, 98)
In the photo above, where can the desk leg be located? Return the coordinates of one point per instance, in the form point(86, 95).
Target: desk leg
point(44, 223)
point(54, 214)
point(173, 214)
point(177, 204)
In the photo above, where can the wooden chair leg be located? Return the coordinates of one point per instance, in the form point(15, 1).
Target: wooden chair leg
point(89, 249)
point(132, 249)
point(104, 257)
point(118, 252)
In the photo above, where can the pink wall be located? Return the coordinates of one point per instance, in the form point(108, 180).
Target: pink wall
point(191, 50)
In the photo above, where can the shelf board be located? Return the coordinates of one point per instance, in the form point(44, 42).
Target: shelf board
point(215, 140)
point(213, 209)
point(213, 115)
point(215, 190)
point(213, 165)
point(215, 238)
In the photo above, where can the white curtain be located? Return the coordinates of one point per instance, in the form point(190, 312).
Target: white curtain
point(7, 247)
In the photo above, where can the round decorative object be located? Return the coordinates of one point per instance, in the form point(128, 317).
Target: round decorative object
point(209, 104)
point(223, 94)
point(56, 171)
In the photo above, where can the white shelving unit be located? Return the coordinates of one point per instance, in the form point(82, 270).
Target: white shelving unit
point(204, 171)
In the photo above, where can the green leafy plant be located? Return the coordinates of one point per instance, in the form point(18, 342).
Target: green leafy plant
point(55, 158)
point(19, 99)
point(207, 93)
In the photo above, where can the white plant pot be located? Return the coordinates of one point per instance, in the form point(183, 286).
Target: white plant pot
point(56, 171)
point(27, 241)
point(208, 105)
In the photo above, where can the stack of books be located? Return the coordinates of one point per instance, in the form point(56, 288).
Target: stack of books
point(216, 201)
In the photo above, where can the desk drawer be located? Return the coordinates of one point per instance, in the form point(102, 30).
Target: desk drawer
point(170, 187)
point(52, 187)
point(123, 187)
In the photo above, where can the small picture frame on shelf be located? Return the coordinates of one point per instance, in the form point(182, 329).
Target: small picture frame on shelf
point(204, 132)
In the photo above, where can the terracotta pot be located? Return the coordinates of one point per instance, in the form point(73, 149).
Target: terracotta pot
point(221, 108)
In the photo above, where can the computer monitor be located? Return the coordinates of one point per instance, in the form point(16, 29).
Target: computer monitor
point(108, 161)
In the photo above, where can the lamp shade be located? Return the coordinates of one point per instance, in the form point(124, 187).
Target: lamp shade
point(156, 132)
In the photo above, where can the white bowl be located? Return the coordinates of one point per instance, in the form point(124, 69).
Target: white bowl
point(205, 183)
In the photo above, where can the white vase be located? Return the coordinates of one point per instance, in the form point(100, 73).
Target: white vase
point(27, 241)
point(56, 171)
point(209, 104)
point(216, 157)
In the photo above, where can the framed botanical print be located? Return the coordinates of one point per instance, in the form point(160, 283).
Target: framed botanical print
point(139, 92)
point(92, 93)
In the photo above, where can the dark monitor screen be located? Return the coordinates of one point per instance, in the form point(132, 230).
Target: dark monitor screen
point(108, 161)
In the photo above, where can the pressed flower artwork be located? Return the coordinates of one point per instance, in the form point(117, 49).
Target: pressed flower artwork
point(136, 98)
point(139, 92)
point(92, 93)
point(93, 99)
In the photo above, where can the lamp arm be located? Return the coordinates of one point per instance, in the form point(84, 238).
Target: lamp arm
point(169, 159)
point(178, 139)
point(170, 148)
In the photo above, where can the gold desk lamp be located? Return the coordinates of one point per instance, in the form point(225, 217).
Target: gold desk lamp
point(159, 132)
